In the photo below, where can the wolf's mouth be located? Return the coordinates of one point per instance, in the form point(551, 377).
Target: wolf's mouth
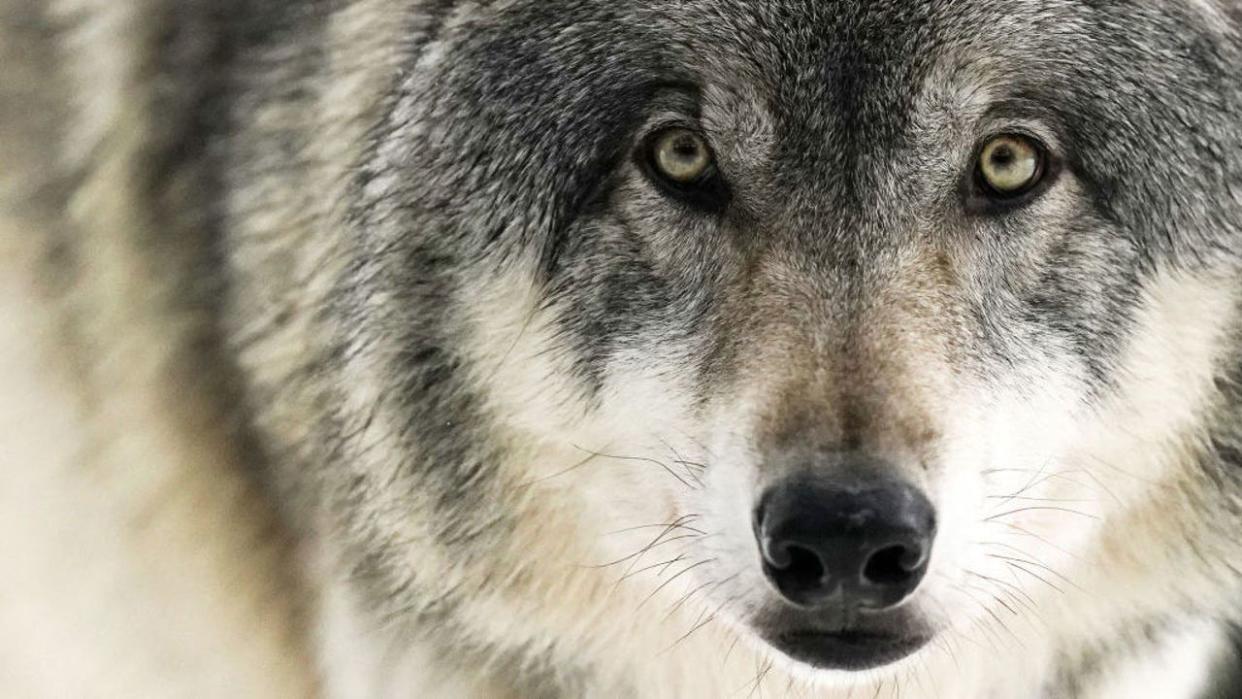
point(847, 650)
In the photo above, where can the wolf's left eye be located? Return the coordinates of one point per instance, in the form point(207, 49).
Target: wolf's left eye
point(1010, 166)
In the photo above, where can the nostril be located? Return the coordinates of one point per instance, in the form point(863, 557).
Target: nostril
point(799, 572)
point(801, 567)
point(892, 565)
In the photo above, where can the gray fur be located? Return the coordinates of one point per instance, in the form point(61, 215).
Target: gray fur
point(350, 176)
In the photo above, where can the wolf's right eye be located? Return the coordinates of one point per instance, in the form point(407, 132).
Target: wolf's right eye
point(681, 155)
point(681, 163)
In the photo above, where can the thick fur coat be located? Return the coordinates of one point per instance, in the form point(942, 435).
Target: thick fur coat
point(356, 348)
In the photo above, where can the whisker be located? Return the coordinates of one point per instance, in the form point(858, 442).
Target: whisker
point(646, 568)
point(664, 584)
point(700, 588)
point(1027, 532)
point(1035, 479)
point(653, 526)
point(1030, 601)
point(1041, 566)
point(990, 593)
point(761, 676)
point(689, 633)
point(641, 459)
point(1021, 498)
point(558, 474)
point(696, 441)
point(988, 610)
point(1040, 578)
point(652, 544)
point(729, 651)
point(1040, 508)
point(679, 461)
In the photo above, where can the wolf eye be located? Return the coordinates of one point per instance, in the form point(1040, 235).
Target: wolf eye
point(1010, 166)
point(680, 155)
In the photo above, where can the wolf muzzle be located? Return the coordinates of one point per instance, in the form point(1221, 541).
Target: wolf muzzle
point(844, 546)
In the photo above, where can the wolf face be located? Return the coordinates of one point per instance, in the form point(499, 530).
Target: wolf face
point(848, 327)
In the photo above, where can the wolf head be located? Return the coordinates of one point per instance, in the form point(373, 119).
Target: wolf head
point(852, 324)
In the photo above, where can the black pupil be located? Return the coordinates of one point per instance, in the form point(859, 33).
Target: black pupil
point(1004, 156)
point(686, 147)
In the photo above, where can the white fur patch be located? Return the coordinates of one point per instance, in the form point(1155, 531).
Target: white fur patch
point(1178, 668)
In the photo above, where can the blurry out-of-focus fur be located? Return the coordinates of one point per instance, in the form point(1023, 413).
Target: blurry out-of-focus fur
point(140, 558)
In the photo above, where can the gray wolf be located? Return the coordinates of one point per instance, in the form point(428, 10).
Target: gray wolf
point(558, 348)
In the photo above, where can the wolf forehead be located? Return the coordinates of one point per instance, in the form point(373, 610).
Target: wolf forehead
point(548, 96)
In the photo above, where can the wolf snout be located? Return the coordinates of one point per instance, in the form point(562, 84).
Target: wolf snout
point(861, 546)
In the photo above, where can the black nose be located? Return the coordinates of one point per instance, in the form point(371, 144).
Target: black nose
point(868, 541)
